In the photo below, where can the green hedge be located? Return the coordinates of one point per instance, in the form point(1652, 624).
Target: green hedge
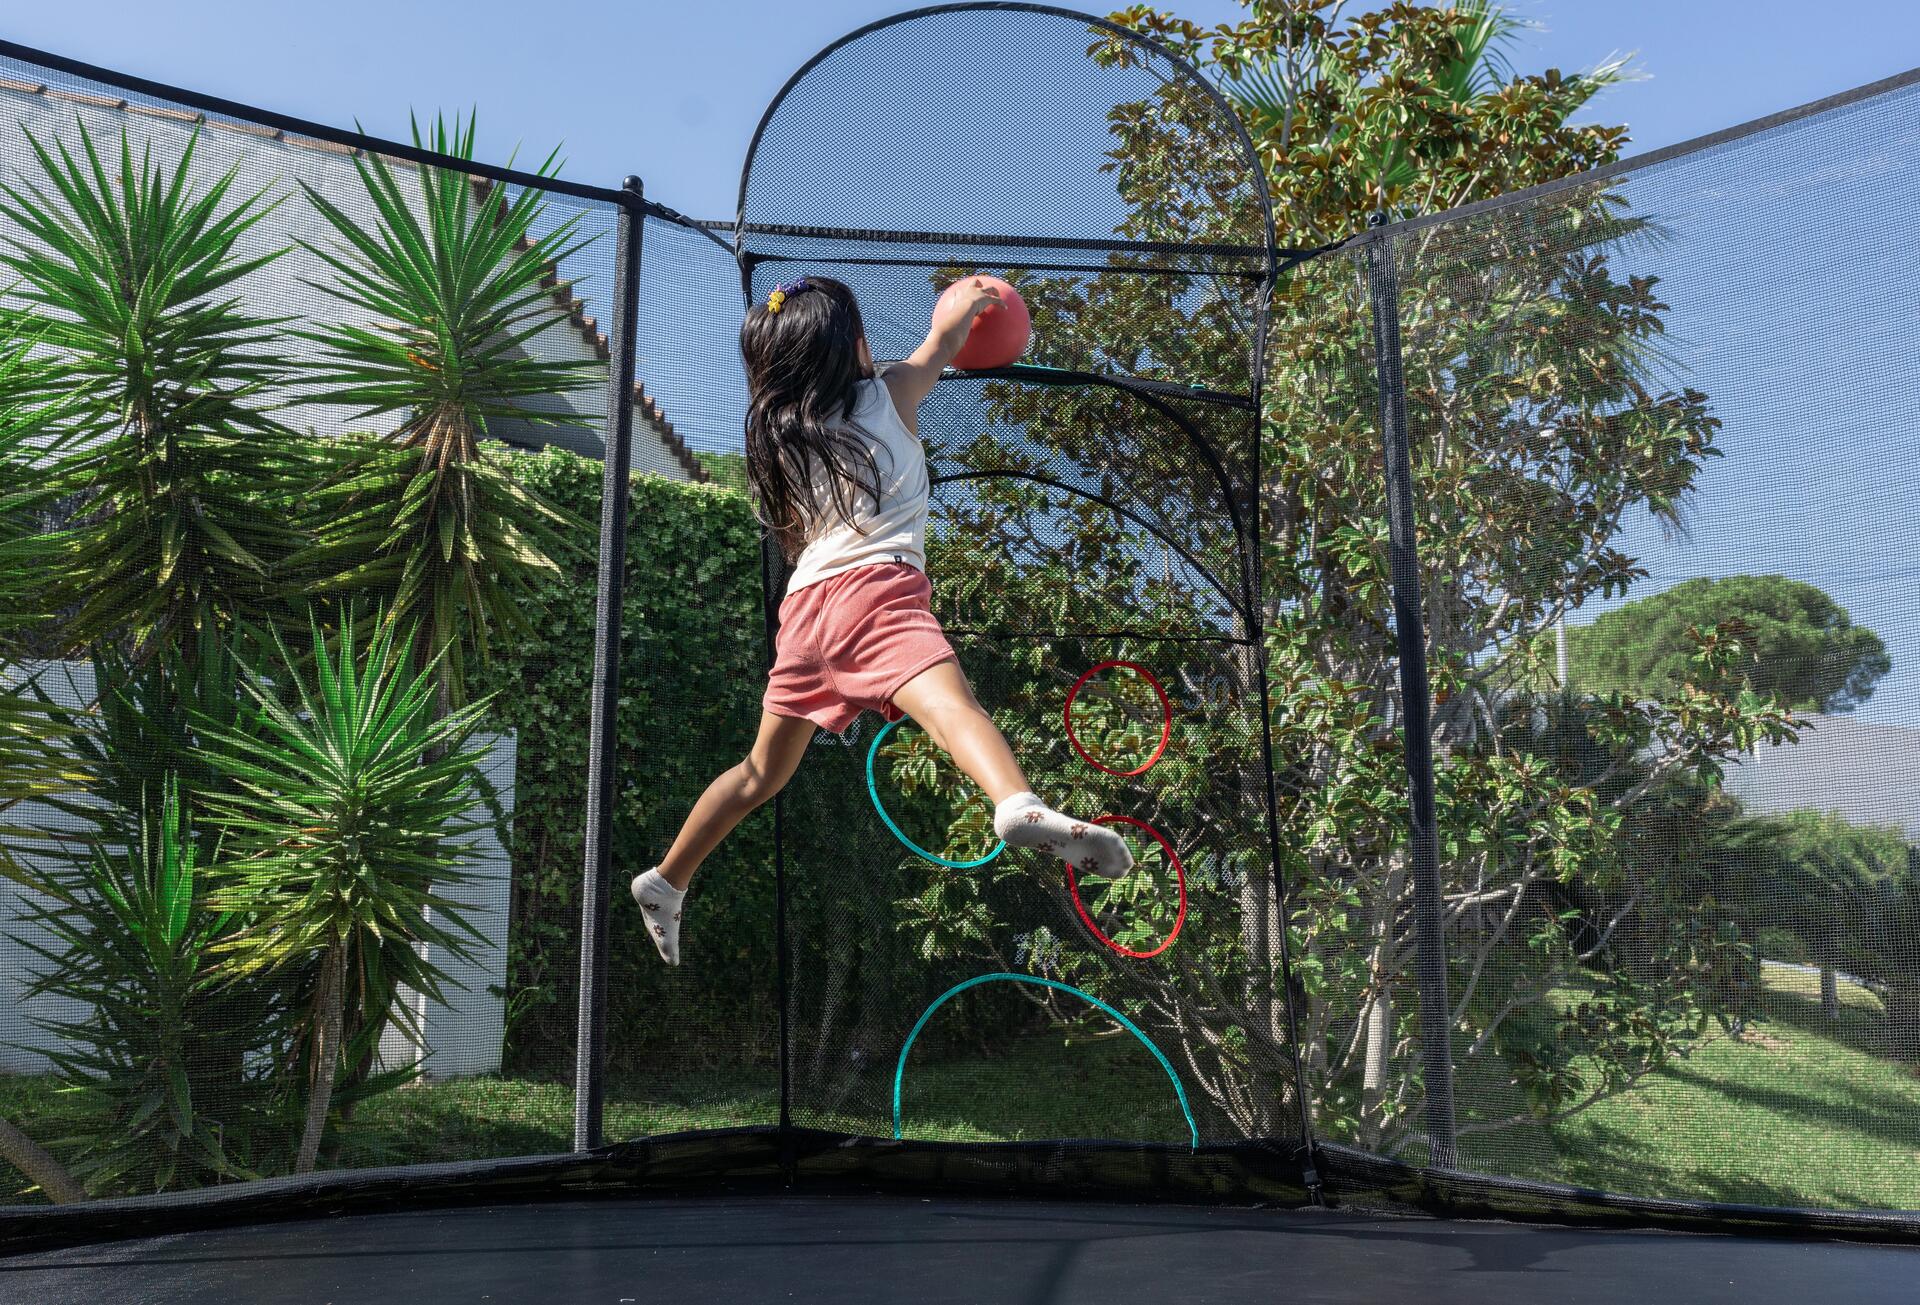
point(691, 653)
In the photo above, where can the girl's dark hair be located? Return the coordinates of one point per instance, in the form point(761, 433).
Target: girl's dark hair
point(804, 367)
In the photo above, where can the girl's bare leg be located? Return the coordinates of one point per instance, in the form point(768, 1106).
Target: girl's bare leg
point(661, 891)
point(737, 793)
point(942, 701)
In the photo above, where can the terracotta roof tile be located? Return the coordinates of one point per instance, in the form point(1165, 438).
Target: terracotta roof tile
point(162, 111)
point(83, 97)
point(644, 404)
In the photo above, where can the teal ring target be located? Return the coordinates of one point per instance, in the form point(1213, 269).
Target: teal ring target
point(873, 791)
point(900, 1068)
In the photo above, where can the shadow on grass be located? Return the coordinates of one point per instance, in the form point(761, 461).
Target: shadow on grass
point(1860, 1027)
point(1874, 1113)
point(1615, 1160)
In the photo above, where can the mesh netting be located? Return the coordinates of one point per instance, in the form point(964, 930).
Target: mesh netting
point(1658, 418)
point(208, 484)
point(1092, 504)
point(1661, 422)
point(1090, 136)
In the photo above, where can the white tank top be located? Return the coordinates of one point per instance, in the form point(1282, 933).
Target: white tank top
point(891, 530)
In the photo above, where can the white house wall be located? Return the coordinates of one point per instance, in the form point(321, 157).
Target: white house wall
point(286, 288)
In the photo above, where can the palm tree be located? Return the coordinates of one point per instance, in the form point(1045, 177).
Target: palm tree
point(342, 840)
point(179, 1055)
point(457, 277)
point(130, 270)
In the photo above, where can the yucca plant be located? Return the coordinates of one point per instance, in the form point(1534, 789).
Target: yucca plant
point(180, 1056)
point(456, 277)
point(130, 268)
point(343, 841)
point(35, 762)
point(32, 728)
point(36, 400)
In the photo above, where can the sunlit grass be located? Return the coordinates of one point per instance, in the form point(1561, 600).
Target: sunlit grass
point(1795, 1111)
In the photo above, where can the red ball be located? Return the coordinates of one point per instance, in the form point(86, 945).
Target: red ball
point(999, 334)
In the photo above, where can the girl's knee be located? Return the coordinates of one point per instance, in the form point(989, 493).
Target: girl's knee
point(752, 784)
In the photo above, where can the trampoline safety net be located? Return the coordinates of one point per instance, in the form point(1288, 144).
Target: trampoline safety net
point(1491, 634)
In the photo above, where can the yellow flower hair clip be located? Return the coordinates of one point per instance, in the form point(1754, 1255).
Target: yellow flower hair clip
point(778, 299)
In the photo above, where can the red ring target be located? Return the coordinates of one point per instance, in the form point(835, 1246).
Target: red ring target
point(1179, 877)
point(1166, 717)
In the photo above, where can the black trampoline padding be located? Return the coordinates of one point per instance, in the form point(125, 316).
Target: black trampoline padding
point(856, 1250)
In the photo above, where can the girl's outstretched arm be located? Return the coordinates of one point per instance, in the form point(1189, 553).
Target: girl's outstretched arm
point(912, 379)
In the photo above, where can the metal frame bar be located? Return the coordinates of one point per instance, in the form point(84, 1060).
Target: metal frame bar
point(865, 235)
point(1416, 708)
point(590, 1046)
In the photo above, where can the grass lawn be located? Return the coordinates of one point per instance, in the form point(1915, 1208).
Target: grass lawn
point(1794, 1112)
point(1798, 1111)
point(1040, 1088)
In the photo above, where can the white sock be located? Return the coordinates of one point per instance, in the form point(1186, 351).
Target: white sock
point(661, 901)
point(1025, 821)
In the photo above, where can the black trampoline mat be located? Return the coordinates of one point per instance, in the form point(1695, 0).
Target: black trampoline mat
point(855, 1250)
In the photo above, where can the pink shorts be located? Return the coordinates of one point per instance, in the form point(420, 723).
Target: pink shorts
point(847, 644)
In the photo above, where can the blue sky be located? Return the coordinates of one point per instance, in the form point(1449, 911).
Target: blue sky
point(672, 90)
point(1790, 276)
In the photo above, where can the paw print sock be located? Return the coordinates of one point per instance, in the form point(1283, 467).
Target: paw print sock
point(661, 902)
point(1025, 821)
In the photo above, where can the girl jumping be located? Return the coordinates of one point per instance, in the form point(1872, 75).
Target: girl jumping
point(840, 481)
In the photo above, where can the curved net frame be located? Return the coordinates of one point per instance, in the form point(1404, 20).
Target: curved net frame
point(1095, 501)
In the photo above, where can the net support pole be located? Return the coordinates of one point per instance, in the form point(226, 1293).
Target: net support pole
point(1410, 631)
point(590, 1045)
point(772, 582)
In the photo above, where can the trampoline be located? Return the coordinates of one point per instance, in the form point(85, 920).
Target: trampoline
point(1349, 1030)
point(940, 1250)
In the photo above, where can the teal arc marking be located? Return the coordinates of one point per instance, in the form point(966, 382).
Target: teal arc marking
point(900, 1069)
point(873, 791)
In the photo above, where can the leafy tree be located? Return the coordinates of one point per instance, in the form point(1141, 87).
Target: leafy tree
point(1804, 651)
point(1542, 412)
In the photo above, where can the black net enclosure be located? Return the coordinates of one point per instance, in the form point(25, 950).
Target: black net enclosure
point(1491, 633)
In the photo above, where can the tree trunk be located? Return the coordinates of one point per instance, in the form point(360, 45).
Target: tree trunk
point(26, 1155)
point(1377, 1067)
point(1829, 993)
point(326, 1059)
point(1373, 1080)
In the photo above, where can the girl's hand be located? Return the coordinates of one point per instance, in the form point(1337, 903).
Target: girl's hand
point(912, 378)
point(957, 308)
